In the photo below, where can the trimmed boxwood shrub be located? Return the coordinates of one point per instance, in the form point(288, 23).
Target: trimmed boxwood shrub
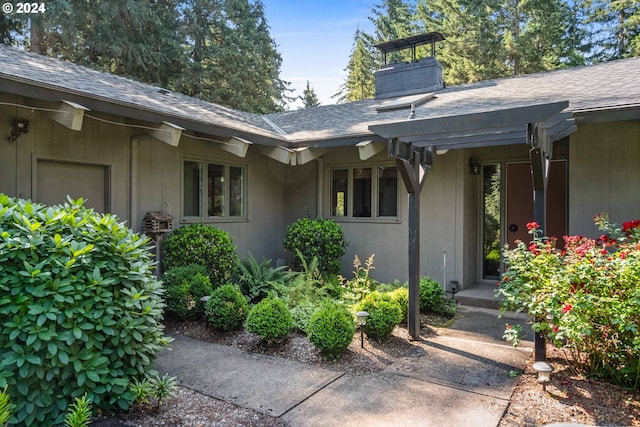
point(270, 319)
point(401, 296)
point(319, 238)
point(185, 287)
point(80, 309)
point(227, 308)
point(202, 245)
point(384, 315)
point(331, 329)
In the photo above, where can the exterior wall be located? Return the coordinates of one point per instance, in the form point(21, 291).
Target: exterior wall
point(97, 143)
point(145, 174)
point(604, 172)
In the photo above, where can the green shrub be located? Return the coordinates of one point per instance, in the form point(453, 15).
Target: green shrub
point(185, 287)
point(384, 315)
point(80, 309)
point(584, 297)
point(433, 298)
point(257, 279)
point(331, 329)
point(270, 319)
point(319, 238)
point(401, 296)
point(202, 245)
point(227, 308)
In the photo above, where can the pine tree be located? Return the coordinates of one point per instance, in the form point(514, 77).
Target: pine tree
point(360, 83)
point(618, 28)
point(309, 98)
point(393, 19)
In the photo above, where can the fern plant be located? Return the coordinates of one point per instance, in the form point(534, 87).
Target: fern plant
point(257, 279)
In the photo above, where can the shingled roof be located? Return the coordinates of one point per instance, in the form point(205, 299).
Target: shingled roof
point(606, 87)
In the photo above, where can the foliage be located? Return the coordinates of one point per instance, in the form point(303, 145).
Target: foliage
point(6, 408)
point(331, 329)
point(401, 296)
point(304, 293)
point(360, 81)
point(157, 388)
point(356, 289)
point(433, 298)
point(80, 308)
point(185, 287)
point(257, 279)
point(202, 245)
point(227, 308)
point(584, 298)
point(320, 238)
point(79, 413)
point(270, 319)
point(309, 98)
point(384, 315)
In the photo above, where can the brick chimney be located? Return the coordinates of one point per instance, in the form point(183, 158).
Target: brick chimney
point(409, 78)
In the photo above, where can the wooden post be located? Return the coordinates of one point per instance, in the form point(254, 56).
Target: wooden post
point(540, 177)
point(413, 164)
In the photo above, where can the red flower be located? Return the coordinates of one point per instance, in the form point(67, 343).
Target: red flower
point(567, 308)
point(532, 225)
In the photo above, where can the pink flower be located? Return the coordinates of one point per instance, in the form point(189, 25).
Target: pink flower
point(532, 225)
point(567, 308)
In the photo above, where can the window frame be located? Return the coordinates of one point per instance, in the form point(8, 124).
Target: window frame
point(375, 199)
point(203, 191)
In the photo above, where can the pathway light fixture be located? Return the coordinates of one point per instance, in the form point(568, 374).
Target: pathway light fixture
point(361, 318)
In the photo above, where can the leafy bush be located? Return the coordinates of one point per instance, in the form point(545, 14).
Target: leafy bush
point(270, 319)
point(384, 315)
point(331, 329)
point(585, 298)
point(185, 287)
point(304, 293)
point(227, 308)
point(80, 309)
point(320, 238)
point(401, 296)
point(257, 279)
point(433, 298)
point(202, 245)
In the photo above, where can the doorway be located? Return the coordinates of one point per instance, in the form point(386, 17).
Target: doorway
point(507, 207)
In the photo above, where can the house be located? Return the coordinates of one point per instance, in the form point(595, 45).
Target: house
point(458, 160)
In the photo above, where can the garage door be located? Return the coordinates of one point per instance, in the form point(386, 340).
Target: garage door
point(56, 180)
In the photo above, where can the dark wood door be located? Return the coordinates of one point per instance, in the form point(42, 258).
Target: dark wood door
point(519, 203)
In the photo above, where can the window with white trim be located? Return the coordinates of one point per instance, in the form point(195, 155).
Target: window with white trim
point(213, 190)
point(364, 192)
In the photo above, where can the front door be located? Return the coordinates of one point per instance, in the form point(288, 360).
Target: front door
point(508, 207)
point(519, 202)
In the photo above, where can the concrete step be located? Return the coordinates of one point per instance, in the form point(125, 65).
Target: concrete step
point(478, 295)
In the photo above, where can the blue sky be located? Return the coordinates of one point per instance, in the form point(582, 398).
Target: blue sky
point(315, 38)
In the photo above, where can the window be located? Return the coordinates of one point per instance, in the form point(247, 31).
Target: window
point(364, 192)
point(221, 193)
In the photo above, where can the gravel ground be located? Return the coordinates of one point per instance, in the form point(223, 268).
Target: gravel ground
point(568, 398)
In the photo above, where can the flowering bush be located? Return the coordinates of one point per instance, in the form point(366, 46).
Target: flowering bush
point(585, 298)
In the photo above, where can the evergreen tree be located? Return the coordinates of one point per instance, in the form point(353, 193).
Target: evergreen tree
point(309, 97)
point(472, 49)
point(393, 19)
point(233, 60)
point(360, 83)
point(618, 28)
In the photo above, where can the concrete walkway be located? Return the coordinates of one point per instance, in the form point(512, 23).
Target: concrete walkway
point(463, 376)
